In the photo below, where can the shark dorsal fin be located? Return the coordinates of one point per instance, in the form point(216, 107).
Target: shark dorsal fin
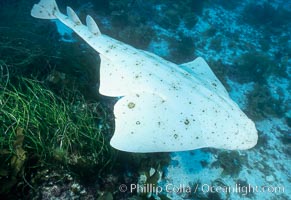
point(73, 16)
point(92, 26)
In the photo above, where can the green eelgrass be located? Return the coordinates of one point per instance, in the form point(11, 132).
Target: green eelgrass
point(68, 132)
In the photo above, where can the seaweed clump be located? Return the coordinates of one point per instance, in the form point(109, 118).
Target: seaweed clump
point(228, 4)
point(41, 128)
point(266, 15)
point(174, 13)
point(243, 184)
point(182, 49)
point(256, 67)
point(261, 103)
point(231, 162)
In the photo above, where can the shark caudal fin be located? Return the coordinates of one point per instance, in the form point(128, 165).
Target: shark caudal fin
point(45, 9)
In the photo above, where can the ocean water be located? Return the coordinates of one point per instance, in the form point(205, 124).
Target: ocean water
point(55, 127)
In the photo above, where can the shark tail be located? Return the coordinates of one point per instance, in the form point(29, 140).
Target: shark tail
point(45, 9)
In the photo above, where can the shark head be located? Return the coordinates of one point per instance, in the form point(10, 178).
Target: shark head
point(163, 106)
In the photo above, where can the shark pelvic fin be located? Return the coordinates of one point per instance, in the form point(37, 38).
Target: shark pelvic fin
point(45, 9)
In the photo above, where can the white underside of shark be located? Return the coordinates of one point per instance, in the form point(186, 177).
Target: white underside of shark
point(164, 107)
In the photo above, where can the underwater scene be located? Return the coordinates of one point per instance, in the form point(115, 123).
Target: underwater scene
point(145, 100)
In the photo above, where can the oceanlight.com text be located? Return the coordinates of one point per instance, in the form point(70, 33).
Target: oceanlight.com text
point(204, 188)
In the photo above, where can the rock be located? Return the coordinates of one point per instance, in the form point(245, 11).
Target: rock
point(75, 188)
point(106, 196)
point(56, 191)
point(270, 178)
point(152, 171)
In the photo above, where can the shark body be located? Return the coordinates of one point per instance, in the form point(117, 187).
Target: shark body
point(164, 106)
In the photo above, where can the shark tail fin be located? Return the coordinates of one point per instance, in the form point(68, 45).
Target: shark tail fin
point(45, 9)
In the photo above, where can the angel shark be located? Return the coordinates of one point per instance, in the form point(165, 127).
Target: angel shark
point(164, 107)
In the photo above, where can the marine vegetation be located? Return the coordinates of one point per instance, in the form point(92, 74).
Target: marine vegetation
point(182, 48)
point(244, 184)
point(255, 66)
point(266, 15)
point(228, 4)
point(230, 162)
point(261, 103)
point(39, 127)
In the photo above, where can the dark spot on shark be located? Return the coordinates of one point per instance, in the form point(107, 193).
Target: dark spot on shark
point(131, 105)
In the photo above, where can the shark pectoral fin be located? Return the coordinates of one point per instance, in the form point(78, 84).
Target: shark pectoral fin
point(119, 80)
point(147, 122)
point(140, 123)
point(112, 82)
point(201, 70)
point(137, 118)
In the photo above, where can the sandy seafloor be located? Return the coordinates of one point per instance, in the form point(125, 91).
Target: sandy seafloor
point(266, 166)
point(265, 171)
